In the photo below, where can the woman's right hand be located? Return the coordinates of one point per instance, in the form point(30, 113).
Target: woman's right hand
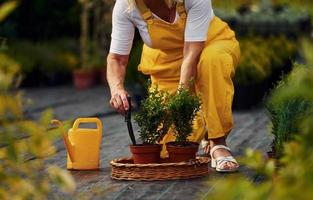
point(119, 100)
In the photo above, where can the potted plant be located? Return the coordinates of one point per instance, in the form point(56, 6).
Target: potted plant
point(153, 121)
point(83, 77)
point(183, 108)
point(286, 109)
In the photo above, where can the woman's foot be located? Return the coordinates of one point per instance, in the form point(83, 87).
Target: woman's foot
point(205, 146)
point(221, 156)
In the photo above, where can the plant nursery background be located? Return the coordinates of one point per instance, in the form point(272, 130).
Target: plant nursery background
point(45, 44)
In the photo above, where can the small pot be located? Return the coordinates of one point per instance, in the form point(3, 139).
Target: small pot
point(146, 153)
point(271, 155)
point(179, 153)
point(83, 79)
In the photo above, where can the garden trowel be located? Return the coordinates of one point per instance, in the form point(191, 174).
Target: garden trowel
point(129, 123)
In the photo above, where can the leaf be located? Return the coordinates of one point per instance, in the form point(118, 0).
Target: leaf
point(62, 178)
point(6, 8)
point(46, 117)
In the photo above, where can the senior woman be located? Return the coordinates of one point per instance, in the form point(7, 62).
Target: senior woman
point(183, 40)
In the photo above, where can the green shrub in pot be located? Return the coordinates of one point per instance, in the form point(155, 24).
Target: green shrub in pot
point(153, 116)
point(183, 108)
point(154, 122)
point(285, 113)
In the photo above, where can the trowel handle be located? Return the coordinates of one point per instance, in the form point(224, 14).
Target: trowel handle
point(95, 120)
point(128, 112)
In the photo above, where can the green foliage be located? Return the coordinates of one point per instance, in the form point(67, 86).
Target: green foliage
point(39, 20)
point(23, 144)
point(6, 8)
point(160, 111)
point(46, 58)
point(183, 108)
point(297, 5)
point(293, 179)
point(262, 57)
point(231, 5)
point(263, 17)
point(284, 119)
point(9, 70)
point(153, 116)
point(307, 49)
point(285, 113)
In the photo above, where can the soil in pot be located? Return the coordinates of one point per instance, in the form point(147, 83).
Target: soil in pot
point(145, 154)
point(83, 79)
point(181, 153)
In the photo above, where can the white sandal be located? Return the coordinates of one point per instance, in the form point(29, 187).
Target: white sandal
point(219, 162)
point(205, 146)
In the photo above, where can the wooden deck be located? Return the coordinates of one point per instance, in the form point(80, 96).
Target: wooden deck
point(68, 103)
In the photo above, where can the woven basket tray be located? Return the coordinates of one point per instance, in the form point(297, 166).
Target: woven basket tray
point(125, 169)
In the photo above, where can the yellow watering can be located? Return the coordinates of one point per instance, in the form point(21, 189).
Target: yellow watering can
point(82, 144)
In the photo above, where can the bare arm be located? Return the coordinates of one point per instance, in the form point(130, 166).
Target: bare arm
point(116, 71)
point(192, 52)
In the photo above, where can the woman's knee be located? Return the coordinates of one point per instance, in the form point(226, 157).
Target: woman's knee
point(215, 63)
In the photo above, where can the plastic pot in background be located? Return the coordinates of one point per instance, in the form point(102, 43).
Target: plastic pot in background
point(83, 79)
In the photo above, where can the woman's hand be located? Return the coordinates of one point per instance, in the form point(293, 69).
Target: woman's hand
point(116, 70)
point(119, 100)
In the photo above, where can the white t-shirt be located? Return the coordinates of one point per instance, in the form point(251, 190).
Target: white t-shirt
point(124, 21)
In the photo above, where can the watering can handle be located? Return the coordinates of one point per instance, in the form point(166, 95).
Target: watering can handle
point(79, 121)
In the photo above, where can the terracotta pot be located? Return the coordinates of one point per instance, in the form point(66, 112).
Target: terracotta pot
point(178, 153)
point(83, 79)
point(145, 154)
point(271, 155)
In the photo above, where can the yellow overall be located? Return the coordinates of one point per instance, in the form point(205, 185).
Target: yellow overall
point(215, 69)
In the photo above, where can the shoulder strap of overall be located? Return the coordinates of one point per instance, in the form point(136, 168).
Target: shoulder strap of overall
point(145, 12)
point(180, 6)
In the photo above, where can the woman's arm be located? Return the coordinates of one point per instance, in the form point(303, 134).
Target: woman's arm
point(192, 52)
point(116, 70)
point(200, 14)
point(123, 31)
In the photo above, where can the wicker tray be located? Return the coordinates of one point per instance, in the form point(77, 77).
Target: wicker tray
point(125, 169)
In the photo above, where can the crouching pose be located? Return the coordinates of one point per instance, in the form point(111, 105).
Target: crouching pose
point(183, 40)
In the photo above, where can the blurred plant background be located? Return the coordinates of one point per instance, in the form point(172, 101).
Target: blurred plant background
point(72, 38)
point(22, 140)
point(52, 43)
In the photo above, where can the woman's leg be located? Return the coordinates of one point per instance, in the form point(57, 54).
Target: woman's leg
point(215, 86)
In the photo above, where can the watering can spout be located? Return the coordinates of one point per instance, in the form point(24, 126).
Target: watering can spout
point(69, 146)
